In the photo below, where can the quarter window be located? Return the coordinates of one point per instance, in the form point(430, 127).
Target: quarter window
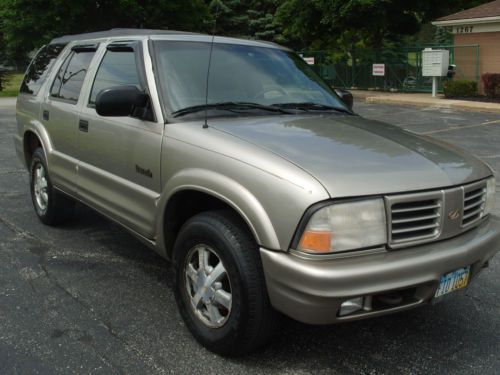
point(40, 67)
point(118, 68)
point(69, 80)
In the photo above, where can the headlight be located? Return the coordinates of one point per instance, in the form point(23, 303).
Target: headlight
point(490, 196)
point(345, 226)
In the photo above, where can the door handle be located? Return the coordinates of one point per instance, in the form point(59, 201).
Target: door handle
point(45, 115)
point(83, 126)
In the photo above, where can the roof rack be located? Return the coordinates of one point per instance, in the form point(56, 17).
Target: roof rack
point(116, 32)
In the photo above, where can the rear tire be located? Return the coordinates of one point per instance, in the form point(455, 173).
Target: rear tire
point(231, 313)
point(51, 206)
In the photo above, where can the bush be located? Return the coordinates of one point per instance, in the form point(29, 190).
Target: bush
point(460, 88)
point(491, 83)
point(2, 79)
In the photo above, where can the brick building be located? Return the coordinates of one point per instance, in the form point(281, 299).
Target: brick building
point(476, 26)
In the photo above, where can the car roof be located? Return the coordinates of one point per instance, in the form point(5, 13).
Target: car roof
point(156, 34)
point(116, 33)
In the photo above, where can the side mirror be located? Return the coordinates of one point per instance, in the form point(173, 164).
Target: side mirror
point(346, 97)
point(120, 101)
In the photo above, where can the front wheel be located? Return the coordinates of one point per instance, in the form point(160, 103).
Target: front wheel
point(219, 284)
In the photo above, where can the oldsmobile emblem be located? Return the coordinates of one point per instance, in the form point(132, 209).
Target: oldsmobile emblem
point(454, 215)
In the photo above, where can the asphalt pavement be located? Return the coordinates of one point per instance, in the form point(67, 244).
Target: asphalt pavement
point(87, 297)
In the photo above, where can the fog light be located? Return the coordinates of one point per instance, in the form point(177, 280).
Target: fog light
point(350, 306)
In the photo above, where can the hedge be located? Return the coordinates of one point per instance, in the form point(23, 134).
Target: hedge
point(491, 84)
point(460, 88)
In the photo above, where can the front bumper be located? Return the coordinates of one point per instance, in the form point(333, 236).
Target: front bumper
point(312, 290)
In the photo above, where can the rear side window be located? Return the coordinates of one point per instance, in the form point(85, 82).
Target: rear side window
point(39, 68)
point(69, 80)
point(118, 68)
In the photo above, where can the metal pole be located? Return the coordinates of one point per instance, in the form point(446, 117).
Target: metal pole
point(434, 86)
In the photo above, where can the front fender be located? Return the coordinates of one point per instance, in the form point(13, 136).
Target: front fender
point(228, 191)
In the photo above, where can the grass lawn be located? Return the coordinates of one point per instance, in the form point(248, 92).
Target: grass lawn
point(11, 86)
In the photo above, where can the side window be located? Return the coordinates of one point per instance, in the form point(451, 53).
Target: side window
point(40, 67)
point(118, 68)
point(69, 79)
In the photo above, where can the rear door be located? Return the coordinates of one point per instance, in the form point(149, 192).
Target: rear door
point(119, 168)
point(60, 113)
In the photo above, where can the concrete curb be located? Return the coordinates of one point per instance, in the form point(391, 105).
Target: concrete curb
point(8, 102)
point(425, 100)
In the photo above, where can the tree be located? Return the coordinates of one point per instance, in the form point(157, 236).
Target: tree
point(28, 24)
point(248, 19)
point(321, 22)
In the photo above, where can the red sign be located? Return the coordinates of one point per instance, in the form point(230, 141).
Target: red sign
point(378, 70)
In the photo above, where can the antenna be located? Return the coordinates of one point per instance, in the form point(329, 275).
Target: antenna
point(205, 125)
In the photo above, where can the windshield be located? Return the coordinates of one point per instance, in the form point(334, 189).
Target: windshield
point(238, 74)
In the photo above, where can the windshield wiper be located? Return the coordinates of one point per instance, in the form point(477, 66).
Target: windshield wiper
point(228, 106)
point(310, 106)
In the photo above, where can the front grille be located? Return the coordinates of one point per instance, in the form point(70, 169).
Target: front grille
point(421, 217)
point(415, 220)
point(474, 200)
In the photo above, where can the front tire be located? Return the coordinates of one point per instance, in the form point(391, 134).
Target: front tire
point(219, 284)
point(51, 207)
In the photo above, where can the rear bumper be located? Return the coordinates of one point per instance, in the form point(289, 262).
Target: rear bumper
point(312, 290)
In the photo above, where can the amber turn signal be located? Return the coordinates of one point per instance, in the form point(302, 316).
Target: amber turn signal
point(315, 241)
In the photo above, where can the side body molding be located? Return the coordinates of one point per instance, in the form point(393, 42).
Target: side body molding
point(227, 190)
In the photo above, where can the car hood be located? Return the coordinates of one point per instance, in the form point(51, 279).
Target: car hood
point(352, 156)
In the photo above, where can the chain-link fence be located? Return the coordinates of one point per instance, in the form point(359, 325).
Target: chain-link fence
point(403, 68)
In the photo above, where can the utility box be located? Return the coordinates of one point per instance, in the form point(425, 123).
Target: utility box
point(435, 62)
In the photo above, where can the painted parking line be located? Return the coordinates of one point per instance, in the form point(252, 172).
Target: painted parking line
point(463, 127)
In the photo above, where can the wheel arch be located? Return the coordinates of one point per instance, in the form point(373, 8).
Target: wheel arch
point(194, 191)
point(33, 137)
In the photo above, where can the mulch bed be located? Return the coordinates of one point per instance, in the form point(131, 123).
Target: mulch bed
point(483, 99)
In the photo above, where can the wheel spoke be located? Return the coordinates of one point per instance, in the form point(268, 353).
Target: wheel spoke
point(203, 255)
point(197, 297)
point(223, 298)
point(214, 314)
point(43, 183)
point(191, 272)
point(45, 197)
point(216, 274)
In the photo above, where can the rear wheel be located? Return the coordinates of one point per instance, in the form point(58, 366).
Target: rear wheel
point(51, 207)
point(219, 284)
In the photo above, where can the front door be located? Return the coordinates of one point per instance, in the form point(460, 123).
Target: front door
point(119, 168)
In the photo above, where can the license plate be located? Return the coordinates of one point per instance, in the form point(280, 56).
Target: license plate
point(453, 281)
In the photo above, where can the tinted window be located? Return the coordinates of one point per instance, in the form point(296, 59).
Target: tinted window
point(69, 79)
point(238, 73)
point(116, 69)
point(40, 68)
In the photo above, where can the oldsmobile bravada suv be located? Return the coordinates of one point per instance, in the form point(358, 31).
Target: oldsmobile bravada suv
point(259, 183)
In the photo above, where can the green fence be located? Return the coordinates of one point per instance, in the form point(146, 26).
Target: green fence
point(403, 68)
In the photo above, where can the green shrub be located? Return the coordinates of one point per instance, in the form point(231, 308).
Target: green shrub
point(10, 83)
point(491, 84)
point(460, 88)
point(2, 79)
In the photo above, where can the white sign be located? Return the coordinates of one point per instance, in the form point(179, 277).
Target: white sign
point(435, 62)
point(378, 69)
point(309, 60)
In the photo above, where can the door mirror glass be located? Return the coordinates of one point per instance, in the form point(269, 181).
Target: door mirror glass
point(346, 97)
point(122, 101)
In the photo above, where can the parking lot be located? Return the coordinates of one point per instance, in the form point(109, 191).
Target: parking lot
point(89, 298)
